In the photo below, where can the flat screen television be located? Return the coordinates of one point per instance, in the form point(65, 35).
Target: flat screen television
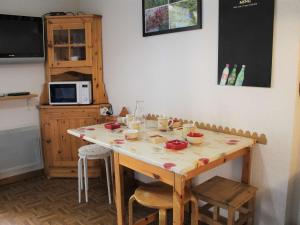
point(21, 39)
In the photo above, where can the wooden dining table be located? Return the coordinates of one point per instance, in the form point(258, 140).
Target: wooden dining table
point(175, 168)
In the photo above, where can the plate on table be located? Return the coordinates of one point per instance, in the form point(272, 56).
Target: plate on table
point(112, 126)
point(176, 145)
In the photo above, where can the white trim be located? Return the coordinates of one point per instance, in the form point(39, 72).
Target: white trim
point(18, 170)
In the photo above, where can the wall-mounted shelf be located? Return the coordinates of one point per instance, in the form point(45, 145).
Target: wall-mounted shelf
point(27, 97)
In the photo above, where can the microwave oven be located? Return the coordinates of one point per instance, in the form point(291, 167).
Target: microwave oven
point(70, 93)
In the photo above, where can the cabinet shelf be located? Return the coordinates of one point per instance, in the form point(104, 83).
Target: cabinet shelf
point(8, 98)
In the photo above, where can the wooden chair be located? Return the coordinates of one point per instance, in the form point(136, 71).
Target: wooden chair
point(158, 196)
point(232, 196)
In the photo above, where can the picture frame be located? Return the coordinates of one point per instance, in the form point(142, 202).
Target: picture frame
point(169, 16)
point(106, 109)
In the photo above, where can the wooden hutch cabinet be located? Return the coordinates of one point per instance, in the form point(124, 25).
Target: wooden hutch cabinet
point(74, 53)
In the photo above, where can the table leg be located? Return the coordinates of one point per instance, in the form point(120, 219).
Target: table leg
point(119, 197)
point(178, 199)
point(246, 172)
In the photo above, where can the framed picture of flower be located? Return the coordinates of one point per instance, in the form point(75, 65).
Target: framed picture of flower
point(167, 16)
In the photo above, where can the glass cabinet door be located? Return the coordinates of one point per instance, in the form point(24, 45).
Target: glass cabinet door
point(70, 45)
point(78, 44)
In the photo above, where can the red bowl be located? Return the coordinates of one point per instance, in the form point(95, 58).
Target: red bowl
point(112, 126)
point(195, 134)
point(176, 145)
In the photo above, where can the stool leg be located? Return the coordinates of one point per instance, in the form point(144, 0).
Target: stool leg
point(81, 175)
point(216, 213)
point(85, 165)
point(112, 174)
point(79, 168)
point(130, 210)
point(162, 217)
point(194, 214)
point(111, 166)
point(231, 216)
point(108, 179)
point(251, 207)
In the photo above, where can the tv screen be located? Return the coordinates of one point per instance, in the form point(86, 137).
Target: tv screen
point(21, 37)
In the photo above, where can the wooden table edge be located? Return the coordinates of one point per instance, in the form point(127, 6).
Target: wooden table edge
point(215, 163)
point(177, 181)
point(167, 176)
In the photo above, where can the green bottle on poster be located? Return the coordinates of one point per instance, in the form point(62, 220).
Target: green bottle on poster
point(232, 76)
point(240, 78)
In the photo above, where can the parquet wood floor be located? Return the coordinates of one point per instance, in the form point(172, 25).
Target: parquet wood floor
point(39, 201)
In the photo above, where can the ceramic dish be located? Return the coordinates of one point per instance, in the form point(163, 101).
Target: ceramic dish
point(112, 126)
point(176, 145)
point(194, 138)
point(131, 134)
point(157, 139)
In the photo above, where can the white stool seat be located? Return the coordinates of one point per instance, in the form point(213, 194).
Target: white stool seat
point(92, 152)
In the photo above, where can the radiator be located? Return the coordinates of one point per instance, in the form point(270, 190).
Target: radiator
point(20, 151)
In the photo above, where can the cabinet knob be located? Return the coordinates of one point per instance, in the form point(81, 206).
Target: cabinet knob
point(48, 141)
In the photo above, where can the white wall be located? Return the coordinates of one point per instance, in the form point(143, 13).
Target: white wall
point(293, 210)
point(176, 74)
point(24, 77)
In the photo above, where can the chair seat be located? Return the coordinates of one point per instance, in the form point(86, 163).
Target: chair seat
point(156, 195)
point(227, 193)
point(93, 151)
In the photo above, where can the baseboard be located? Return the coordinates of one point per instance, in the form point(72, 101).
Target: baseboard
point(20, 177)
point(18, 170)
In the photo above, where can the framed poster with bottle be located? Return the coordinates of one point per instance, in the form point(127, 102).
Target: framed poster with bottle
point(245, 42)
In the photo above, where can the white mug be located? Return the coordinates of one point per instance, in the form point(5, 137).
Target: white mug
point(164, 123)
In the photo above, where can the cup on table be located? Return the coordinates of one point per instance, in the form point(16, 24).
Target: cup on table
point(135, 125)
point(129, 118)
point(121, 120)
point(187, 128)
point(164, 123)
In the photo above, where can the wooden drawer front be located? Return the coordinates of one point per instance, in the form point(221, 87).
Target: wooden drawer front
point(49, 114)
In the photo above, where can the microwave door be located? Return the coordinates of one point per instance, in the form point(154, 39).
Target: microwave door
point(63, 94)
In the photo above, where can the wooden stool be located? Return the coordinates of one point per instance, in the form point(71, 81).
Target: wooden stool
point(92, 152)
point(159, 196)
point(233, 196)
